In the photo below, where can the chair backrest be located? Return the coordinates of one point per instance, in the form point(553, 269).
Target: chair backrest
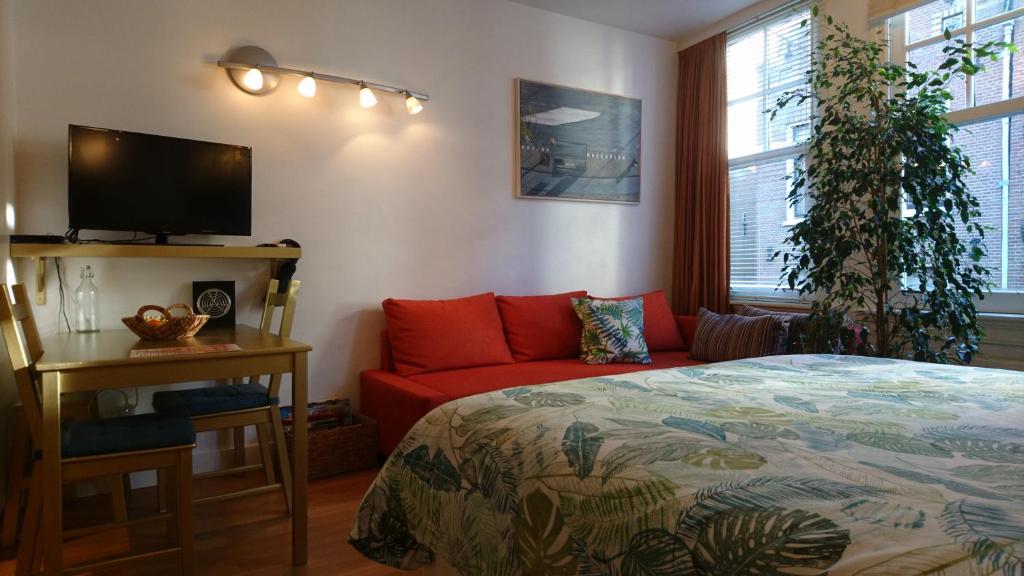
point(284, 300)
point(23, 355)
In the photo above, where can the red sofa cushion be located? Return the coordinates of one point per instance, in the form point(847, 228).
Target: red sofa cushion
point(430, 335)
point(660, 330)
point(468, 381)
point(541, 327)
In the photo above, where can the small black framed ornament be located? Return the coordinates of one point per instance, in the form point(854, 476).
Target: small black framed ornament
point(216, 298)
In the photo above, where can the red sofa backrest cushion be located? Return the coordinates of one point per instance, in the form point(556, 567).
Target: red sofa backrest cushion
point(541, 327)
point(660, 330)
point(431, 335)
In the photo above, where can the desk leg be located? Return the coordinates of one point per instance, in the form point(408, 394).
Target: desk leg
point(50, 535)
point(299, 474)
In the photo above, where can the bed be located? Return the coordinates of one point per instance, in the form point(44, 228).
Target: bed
point(782, 465)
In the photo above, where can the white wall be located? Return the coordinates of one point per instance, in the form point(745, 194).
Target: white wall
point(384, 204)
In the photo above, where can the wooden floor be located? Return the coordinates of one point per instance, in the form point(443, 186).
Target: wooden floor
point(248, 536)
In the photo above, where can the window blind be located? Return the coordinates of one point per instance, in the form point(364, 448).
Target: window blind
point(763, 62)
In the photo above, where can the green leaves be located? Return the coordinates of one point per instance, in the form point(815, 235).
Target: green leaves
point(543, 543)
point(657, 552)
point(899, 443)
point(769, 541)
point(437, 472)
point(700, 427)
point(724, 458)
point(549, 399)
point(581, 443)
point(881, 139)
point(797, 403)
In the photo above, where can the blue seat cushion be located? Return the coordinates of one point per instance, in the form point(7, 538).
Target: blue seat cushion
point(212, 400)
point(125, 434)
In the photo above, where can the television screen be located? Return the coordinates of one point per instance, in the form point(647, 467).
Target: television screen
point(159, 185)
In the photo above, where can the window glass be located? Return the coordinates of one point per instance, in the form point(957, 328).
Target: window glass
point(929, 20)
point(1003, 79)
point(758, 214)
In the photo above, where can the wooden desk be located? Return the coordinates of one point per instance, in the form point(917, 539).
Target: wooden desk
point(100, 360)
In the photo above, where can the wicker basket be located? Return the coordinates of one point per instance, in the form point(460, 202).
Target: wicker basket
point(338, 449)
point(173, 328)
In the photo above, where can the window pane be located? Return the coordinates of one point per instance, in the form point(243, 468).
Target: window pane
point(757, 196)
point(787, 52)
point(930, 57)
point(996, 150)
point(790, 126)
point(745, 65)
point(988, 8)
point(1003, 79)
point(932, 18)
point(746, 127)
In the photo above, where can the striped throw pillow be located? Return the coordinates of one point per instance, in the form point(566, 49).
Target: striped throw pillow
point(793, 326)
point(721, 337)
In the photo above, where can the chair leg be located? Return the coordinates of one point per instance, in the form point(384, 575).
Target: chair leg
point(16, 482)
point(117, 496)
point(239, 436)
point(168, 478)
point(162, 478)
point(282, 455)
point(263, 433)
point(184, 512)
point(238, 442)
point(28, 552)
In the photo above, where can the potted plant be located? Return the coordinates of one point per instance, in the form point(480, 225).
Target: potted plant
point(889, 219)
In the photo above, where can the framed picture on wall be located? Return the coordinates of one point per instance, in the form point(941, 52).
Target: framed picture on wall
point(575, 144)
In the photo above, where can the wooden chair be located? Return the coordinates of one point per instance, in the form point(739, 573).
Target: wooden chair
point(233, 407)
point(96, 449)
point(19, 478)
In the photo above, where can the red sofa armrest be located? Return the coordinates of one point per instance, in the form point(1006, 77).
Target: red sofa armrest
point(687, 327)
point(396, 403)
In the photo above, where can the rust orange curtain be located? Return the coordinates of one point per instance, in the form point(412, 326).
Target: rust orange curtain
point(701, 253)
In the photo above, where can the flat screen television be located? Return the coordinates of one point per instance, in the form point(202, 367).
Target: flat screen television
point(157, 185)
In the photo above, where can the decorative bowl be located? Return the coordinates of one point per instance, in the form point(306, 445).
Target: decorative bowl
point(166, 326)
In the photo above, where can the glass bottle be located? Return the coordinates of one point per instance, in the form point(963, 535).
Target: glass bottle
point(88, 298)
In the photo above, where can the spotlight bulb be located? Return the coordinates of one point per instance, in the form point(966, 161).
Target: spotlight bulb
point(307, 87)
point(253, 79)
point(412, 104)
point(366, 97)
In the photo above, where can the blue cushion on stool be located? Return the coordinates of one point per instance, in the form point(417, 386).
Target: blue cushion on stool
point(125, 434)
point(213, 400)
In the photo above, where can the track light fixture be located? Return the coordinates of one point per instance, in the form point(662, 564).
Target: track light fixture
point(255, 71)
point(366, 97)
point(412, 104)
point(307, 86)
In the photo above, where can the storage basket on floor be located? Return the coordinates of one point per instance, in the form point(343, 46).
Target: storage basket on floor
point(339, 449)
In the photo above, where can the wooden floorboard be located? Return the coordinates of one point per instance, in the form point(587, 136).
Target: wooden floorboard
point(246, 537)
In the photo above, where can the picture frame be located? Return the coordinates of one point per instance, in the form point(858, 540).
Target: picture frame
point(576, 144)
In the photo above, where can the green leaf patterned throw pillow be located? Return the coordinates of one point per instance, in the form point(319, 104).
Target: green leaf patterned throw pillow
point(613, 331)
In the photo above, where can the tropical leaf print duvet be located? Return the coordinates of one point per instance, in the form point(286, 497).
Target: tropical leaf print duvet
point(783, 465)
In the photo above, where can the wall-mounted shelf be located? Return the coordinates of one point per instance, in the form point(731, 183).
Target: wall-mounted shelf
point(43, 251)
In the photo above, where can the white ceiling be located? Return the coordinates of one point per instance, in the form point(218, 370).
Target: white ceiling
point(669, 19)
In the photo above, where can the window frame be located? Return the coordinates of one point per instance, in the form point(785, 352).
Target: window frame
point(1003, 302)
point(789, 152)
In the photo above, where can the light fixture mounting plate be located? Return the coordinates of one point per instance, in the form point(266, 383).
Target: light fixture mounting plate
point(257, 57)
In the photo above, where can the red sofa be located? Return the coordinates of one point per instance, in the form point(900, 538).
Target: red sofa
point(397, 402)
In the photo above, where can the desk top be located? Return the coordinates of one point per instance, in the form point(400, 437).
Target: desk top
point(78, 351)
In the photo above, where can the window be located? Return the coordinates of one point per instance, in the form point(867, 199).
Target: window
point(989, 109)
point(764, 60)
